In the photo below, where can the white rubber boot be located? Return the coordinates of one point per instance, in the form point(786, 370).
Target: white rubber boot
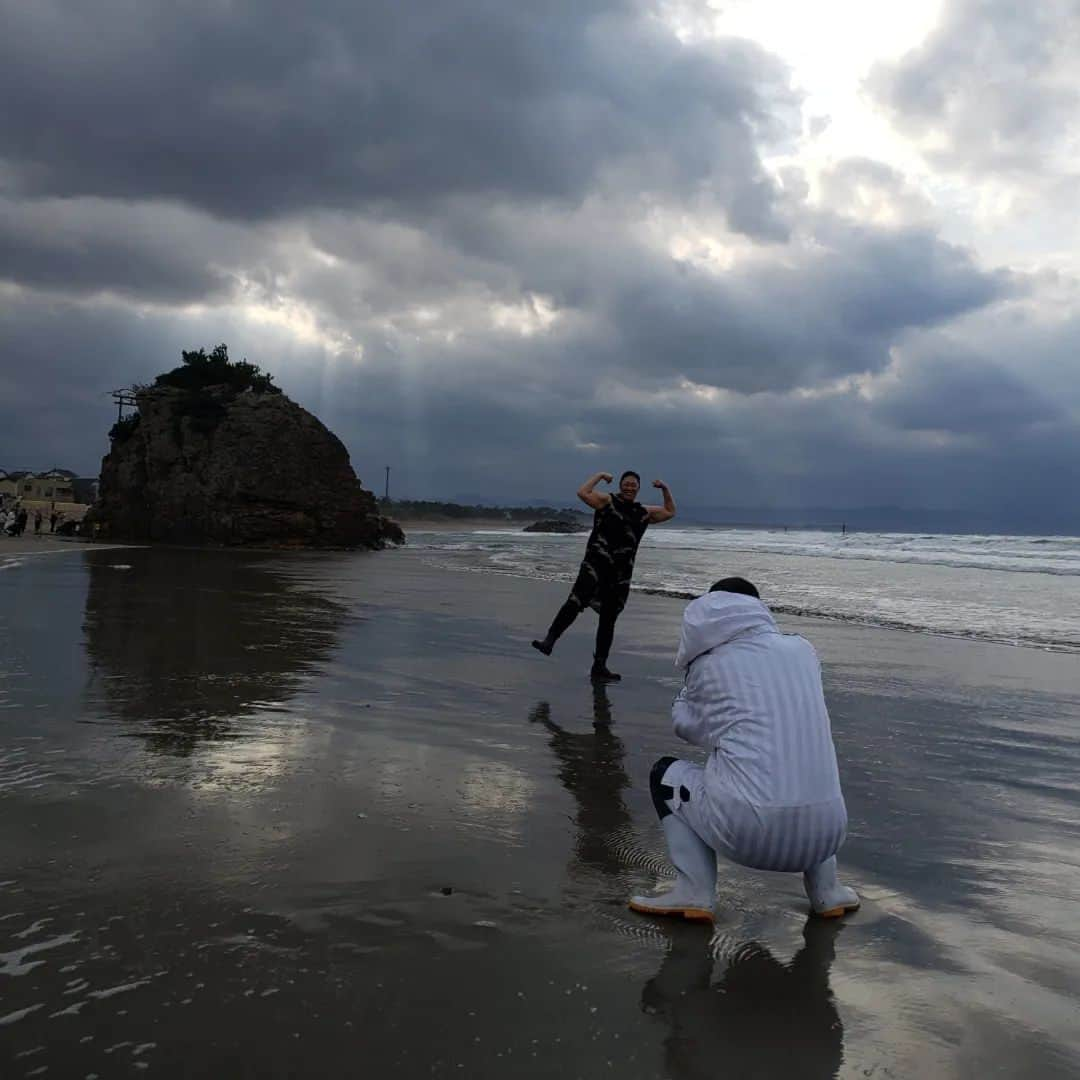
point(693, 896)
point(828, 898)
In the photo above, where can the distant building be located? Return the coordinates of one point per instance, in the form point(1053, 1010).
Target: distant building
point(10, 482)
point(53, 486)
point(56, 485)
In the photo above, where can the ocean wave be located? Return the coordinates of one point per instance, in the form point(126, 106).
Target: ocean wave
point(1027, 640)
point(1059, 556)
point(980, 598)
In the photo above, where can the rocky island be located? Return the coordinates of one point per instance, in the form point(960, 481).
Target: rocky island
point(556, 525)
point(217, 454)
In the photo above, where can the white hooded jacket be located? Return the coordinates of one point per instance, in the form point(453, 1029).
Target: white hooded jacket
point(753, 699)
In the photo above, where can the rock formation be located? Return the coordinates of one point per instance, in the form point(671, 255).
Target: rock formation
point(556, 525)
point(221, 465)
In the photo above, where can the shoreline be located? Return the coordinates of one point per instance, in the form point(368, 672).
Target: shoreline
point(44, 544)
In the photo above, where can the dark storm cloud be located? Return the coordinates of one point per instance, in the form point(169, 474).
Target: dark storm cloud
point(150, 251)
point(256, 109)
point(59, 361)
point(485, 154)
point(996, 81)
point(834, 304)
point(515, 430)
point(965, 395)
point(834, 310)
point(763, 449)
point(484, 402)
point(61, 358)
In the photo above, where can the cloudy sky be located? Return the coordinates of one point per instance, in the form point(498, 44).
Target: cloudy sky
point(776, 253)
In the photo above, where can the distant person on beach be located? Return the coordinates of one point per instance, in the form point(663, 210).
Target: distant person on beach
point(769, 795)
point(37, 522)
point(53, 518)
point(603, 582)
point(9, 522)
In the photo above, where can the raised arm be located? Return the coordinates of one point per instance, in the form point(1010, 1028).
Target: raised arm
point(665, 512)
point(595, 499)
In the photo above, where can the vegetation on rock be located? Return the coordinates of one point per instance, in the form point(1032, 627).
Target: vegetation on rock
point(124, 428)
point(200, 370)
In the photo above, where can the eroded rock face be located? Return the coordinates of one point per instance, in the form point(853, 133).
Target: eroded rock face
point(221, 467)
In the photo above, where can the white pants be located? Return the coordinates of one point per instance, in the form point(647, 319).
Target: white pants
point(786, 838)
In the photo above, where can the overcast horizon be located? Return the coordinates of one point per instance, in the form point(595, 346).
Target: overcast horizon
point(775, 254)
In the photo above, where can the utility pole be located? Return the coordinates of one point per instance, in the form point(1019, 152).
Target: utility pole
point(386, 494)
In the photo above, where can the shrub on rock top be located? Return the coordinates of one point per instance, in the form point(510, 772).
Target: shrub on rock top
point(200, 370)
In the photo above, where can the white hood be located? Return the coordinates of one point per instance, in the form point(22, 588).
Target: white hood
point(717, 618)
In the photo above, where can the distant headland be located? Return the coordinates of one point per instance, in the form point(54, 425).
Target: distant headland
point(432, 512)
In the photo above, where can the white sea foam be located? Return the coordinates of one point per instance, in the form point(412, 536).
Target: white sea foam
point(1019, 590)
point(112, 991)
point(15, 962)
point(1021, 554)
point(15, 1017)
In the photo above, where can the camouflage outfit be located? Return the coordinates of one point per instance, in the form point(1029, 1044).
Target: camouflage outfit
point(603, 582)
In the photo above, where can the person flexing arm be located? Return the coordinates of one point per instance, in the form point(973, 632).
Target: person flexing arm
point(629, 485)
point(665, 512)
point(595, 499)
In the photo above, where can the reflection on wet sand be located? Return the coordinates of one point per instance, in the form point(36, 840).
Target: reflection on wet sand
point(182, 642)
point(761, 1019)
point(591, 769)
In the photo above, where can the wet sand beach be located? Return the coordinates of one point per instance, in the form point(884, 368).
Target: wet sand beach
point(330, 815)
point(28, 544)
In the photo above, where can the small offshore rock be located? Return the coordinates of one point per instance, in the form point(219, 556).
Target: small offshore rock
point(555, 525)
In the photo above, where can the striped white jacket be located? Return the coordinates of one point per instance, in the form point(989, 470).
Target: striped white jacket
point(753, 699)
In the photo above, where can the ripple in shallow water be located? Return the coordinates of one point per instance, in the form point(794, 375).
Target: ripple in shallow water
point(19, 770)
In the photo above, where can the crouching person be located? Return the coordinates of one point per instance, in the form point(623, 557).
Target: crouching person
point(769, 795)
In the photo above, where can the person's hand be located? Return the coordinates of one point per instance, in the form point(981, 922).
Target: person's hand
point(606, 477)
point(659, 484)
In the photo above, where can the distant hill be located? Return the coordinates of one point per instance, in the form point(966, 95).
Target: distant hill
point(428, 510)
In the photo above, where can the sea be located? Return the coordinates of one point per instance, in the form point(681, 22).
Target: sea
point(1016, 590)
